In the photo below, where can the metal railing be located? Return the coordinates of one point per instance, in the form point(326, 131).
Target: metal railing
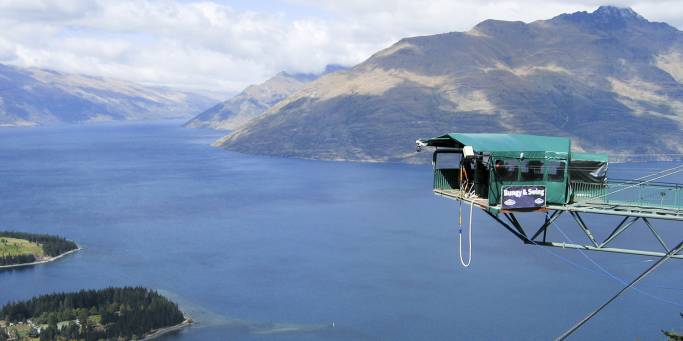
point(630, 192)
point(446, 178)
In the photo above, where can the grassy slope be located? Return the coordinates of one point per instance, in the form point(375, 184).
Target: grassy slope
point(14, 247)
point(22, 332)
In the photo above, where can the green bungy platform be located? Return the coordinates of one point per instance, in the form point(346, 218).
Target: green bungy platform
point(571, 178)
point(517, 160)
point(512, 160)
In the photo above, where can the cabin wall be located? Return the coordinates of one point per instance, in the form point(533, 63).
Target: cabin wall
point(508, 171)
point(446, 178)
point(446, 169)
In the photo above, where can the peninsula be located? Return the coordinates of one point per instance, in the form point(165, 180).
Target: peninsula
point(128, 313)
point(23, 249)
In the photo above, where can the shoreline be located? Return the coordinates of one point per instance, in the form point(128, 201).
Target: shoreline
point(166, 330)
point(2, 267)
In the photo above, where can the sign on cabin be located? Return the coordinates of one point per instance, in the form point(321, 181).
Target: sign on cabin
point(523, 197)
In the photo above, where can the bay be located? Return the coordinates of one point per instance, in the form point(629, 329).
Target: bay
point(266, 248)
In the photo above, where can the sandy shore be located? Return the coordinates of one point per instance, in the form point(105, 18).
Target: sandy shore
point(163, 331)
point(40, 261)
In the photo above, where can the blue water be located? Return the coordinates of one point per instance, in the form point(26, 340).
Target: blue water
point(245, 241)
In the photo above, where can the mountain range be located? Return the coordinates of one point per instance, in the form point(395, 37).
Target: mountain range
point(611, 80)
point(31, 96)
point(254, 100)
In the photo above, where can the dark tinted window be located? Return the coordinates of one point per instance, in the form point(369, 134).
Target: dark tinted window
point(506, 170)
point(448, 160)
point(556, 170)
point(532, 170)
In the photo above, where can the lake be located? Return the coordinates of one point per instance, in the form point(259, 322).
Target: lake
point(265, 248)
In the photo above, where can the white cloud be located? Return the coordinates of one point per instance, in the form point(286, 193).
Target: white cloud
point(209, 46)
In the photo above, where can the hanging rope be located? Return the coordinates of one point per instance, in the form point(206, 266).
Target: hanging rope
point(676, 168)
point(469, 233)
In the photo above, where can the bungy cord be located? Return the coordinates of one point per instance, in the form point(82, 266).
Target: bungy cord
point(469, 257)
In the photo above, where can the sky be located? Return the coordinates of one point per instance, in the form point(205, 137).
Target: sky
point(219, 47)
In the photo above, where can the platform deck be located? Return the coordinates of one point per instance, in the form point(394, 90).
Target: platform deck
point(612, 208)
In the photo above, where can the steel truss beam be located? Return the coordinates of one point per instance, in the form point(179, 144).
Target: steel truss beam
point(515, 227)
point(670, 254)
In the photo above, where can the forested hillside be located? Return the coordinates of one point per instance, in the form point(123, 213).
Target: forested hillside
point(95, 314)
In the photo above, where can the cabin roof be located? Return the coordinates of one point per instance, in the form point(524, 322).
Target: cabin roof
point(583, 156)
point(498, 144)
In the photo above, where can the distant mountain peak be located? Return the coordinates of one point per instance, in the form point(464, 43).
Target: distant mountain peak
point(255, 100)
point(307, 77)
point(605, 17)
point(37, 96)
point(617, 12)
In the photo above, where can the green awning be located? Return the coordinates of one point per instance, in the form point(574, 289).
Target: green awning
point(506, 144)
